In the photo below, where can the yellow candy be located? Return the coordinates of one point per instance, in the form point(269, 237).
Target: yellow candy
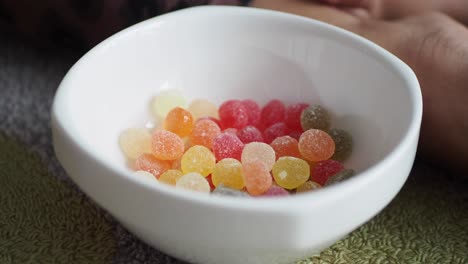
point(290, 172)
point(170, 177)
point(308, 186)
point(166, 101)
point(134, 142)
point(203, 108)
point(198, 159)
point(193, 181)
point(146, 175)
point(229, 173)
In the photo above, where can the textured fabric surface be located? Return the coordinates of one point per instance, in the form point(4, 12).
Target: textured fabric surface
point(45, 219)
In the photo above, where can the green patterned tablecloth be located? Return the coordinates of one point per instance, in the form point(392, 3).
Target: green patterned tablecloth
point(45, 219)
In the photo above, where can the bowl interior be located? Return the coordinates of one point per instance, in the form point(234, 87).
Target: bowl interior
point(225, 55)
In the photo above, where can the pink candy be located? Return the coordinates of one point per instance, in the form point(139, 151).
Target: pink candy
point(227, 145)
point(274, 131)
point(276, 191)
point(250, 134)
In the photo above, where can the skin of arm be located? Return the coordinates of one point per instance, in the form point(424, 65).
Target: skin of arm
point(435, 46)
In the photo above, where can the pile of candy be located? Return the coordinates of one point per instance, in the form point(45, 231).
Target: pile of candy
point(239, 149)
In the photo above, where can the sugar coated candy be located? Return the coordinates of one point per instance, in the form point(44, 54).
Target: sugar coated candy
point(166, 101)
point(343, 144)
point(316, 145)
point(228, 172)
point(179, 121)
point(145, 175)
point(324, 170)
point(257, 178)
point(203, 108)
point(340, 176)
point(295, 134)
point(226, 191)
point(276, 191)
point(175, 164)
point(135, 142)
point(170, 177)
point(290, 172)
point(253, 111)
point(193, 181)
point(286, 146)
point(198, 159)
point(258, 151)
point(233, 114)
point(273, 112)
point(315, 117)
point(293, 115)
point(167, 145)
point(212, 119)
point(227, 145)
point(149, 163)
point(204, 132)
point(274, 131)
point(308, 186)
point(250, 134)
point(239, 149)
point(230, 130)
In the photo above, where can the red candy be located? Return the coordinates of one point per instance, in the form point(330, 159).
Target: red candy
point(286, 146)
point(250, 134)
point(272, 113)
point(230, 130)
point(233, 114)
point(293, 116)
point(295, 134)
point(253, 111)
point(227, 145)
point(274, 131)
point(324, 170)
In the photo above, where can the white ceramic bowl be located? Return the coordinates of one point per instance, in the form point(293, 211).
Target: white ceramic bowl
point(231, 52)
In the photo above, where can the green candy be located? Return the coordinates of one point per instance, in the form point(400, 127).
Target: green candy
point(340, 176)
point(315, 117)
point(343, 144)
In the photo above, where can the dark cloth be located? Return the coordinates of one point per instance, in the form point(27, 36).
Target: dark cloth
point(84, 23)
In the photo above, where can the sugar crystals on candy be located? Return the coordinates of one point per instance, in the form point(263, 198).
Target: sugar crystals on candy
point(316, 145)
point(315, 117)
point(198, 159)
point(228, 172)
point(290, 172)
point(193, 181)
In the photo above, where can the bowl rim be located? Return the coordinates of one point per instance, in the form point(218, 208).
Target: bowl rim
point(267, 204)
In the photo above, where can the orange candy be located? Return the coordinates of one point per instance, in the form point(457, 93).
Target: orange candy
point(151, 164)
point(179, 121)
point(286, 146)
point(204, 132)
point(316, 145)
point(176, 164)
point(167, 145)
point(257, 178)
